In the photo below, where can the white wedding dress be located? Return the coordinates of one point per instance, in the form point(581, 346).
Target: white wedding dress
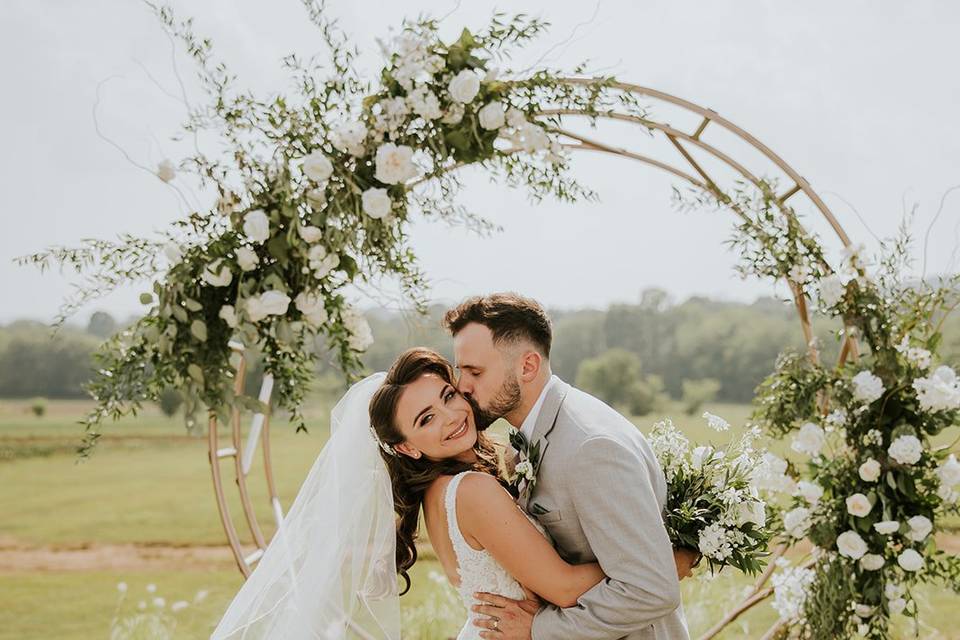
point(478, 571)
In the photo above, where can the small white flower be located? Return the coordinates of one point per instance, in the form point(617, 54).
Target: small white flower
point(886, 527)
point(893, 590)
point(321, 262)
point(151, 588)
point(173, 252)
point(166, 171)
point(897, 605)
point(122, 587)
point(515, 118)
point(201, 595)
point(940, 391)
point(454, 114)
point(863, 610)
point(716, 422)
point(810, 491)
point(906, 449)
point(310, 234)
point(247, 258)
point(311, 305)
point(317, 166)
point(916, 356)
point(141, 605)
point(492, 116)
point(532, 138)
point(949, 472)
point(910, 560)
point(790, 589)
point(492, 74)
point(751, 511)
point(872, 562)
point(867, 387)
point(349, 138)
point(870, 470)
point(797, 521)
point(361, 336)
point(425, 103)
point(229, 315)
point(464, 86)
point(269, 303)
point(851, 545)
point(317, 197)
point(395, 163)
point(920, 528)
point(836, 419)
point(160, 603)
point(525, 470)
point(770, 475)
point(179, 605)
point(700, 455)
point(859, 505)
point(832, 290)
point(809, 440)
point(376, 202)
point(217, 274)
point(256, 225)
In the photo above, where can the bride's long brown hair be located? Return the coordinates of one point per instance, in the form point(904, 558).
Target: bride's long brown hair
point(411, 477)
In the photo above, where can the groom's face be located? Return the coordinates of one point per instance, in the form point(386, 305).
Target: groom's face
point(487, 378)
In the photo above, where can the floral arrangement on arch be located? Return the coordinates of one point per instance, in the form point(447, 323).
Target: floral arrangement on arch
point(311, 197)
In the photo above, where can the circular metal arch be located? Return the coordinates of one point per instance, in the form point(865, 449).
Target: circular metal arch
point(689, 170)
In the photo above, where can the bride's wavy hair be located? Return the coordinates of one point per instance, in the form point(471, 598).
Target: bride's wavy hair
point(411, 477)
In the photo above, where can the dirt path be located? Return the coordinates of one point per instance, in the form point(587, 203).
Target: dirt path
point(19, 557)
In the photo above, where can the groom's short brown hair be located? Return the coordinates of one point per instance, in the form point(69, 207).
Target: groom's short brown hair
point(509, 316)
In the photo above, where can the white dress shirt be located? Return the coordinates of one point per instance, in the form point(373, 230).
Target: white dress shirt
point(531, 420)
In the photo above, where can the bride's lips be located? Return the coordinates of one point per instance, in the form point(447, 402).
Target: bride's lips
point(459, 431)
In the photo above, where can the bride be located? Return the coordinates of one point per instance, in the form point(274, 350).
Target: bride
point(400, 442)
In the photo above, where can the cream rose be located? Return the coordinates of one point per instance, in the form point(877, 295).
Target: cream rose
point(310, 234)
point(376, 203)
point(312, 307)
point(256, 225)
point(247, 258)
point(229, 315)
point(910, 560)
point(269, 303)
point(394, 163)
point(867, 387)
point(851, 545)
point(217, 274)
point(859, 505)
point(872, 562)
point(464, 87)
point(920, 528)
point(317, 166)
point(906, 449)
point(809, 440)
point(886, 527)
point(492, 116)
point(870, 470)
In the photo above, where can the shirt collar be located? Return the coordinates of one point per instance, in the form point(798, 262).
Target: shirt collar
point(531, 420)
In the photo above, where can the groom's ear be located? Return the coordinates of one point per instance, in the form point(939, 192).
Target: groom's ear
point(530, 363)
point(405, 449)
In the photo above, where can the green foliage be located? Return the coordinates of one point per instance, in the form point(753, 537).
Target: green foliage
point(615, 377)
point(38, 407)
point(170, 401)
point(697, 392)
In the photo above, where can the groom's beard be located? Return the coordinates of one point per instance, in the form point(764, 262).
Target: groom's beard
point(506, 400)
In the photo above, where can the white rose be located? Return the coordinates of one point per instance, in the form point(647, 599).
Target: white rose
point(871, 562)
point(886, 527)
point(867, 387)
point(516, 118)
point(938, 392)
point(492, 116)
point(256, 225)
point(751, 511)
point(376, 203)
point(870, 470)
point(810, 491)
point(321, 262)
point(831, 290)
point(349, 138)
point(247, 258)
point(810, 440)
point(863, 610)
point(173, 252)
point(850, 544)
point(910, 560)
point(906, 449)
point(269, 303)
point(454, 114)
point(533, 138)
point(217, 274)
point(361, 337)
point(317, 166)
point(859, 505)
point(796, 522)
point(949, 472)
point(524, 469)
point(897, 605)
point(317, 197)
point(166, 171)
point(229, 315)
point(312, 307)
point(920, 528)
point(700, 455)
point(395, 163)
point(310, 234)
point(425, 104)
point(770, 474)
point(464, 86)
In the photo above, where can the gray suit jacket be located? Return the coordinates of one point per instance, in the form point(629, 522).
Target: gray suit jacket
point(603, 492)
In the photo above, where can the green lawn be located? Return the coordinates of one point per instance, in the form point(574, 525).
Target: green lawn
point(149, 483)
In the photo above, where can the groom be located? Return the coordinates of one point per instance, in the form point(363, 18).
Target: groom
point(599, 491)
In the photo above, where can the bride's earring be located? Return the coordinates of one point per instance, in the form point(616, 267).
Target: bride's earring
point(407, 450)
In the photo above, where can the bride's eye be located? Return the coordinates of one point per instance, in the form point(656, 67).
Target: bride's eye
point(450, 395)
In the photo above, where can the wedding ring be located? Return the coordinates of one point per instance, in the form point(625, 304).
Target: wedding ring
point(496, 624)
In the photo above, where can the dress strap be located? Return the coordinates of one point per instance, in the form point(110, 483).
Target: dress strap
point(460, 545)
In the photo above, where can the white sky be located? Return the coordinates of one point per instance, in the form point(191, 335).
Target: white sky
point(860, 97)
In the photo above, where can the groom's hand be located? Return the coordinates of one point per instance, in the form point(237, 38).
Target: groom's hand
point(686, 560)
point(506, 619)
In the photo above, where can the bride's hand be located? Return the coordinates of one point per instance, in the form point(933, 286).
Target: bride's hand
point(532, 603)
point(686, 560)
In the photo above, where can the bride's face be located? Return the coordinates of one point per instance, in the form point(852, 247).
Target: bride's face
point(435, 420)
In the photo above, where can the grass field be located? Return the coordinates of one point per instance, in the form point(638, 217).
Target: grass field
point(142, 512)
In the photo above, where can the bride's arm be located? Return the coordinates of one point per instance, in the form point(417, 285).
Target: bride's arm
point(488, 515)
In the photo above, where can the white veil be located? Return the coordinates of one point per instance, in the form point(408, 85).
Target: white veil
point(330, 570)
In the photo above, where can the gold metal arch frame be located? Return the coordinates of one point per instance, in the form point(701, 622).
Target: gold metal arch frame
point(687, 145)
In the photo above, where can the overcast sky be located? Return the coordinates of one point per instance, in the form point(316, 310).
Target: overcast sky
point(861, 97)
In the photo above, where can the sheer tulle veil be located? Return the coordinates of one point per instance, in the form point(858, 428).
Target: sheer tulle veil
point(330, 570)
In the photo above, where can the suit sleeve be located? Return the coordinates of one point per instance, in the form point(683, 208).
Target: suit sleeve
point(613, 493)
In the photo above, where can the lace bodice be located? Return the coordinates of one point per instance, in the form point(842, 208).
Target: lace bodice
point(478, 570)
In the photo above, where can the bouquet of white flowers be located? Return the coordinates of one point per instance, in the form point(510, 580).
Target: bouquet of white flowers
point(713, 502)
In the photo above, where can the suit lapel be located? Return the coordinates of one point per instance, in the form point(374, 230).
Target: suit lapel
point(547, 419)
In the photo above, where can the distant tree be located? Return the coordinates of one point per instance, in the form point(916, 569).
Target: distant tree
point(38, 407)
point(101, 324)
point(170, 401)
point(615, 377)
point(697, 392)
point(35, 363)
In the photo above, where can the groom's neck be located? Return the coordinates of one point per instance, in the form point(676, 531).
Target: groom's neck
point(529, 394)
